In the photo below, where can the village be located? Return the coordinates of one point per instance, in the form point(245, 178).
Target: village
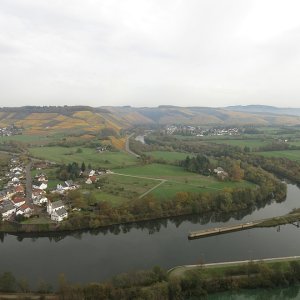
point(199, 131)
point(10, 130)
point(23, 197)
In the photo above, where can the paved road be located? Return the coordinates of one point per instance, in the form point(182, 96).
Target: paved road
point(127, 149)
point(28, 184)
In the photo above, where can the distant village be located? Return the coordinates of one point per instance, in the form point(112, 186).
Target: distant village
point(24, 197)
point(198, 131)
point(10, 130)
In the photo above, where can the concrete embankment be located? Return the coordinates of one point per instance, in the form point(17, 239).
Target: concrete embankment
point(179, 270)
point(220, 230)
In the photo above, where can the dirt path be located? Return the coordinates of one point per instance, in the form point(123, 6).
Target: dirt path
point(152, 189)
point(143, 177)
point(140, 177)
point(161, 182)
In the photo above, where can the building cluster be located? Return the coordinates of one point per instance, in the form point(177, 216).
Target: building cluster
point(13, 201)
point(101, 149)
point(10, 130)
point(12, 196)
point(221, 174)
point(198, 131)
point(68, 185)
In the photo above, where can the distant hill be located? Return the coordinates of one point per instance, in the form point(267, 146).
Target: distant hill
point(204, 116)
point(265, 109)
point(40, 120)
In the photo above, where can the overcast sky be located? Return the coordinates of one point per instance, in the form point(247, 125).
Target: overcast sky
point(149, 52)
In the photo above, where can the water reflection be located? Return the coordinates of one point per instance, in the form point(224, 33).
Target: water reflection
point(292, 292)
point(96, 255)
point(148, 226)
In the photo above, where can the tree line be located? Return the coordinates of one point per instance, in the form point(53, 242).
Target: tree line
point(158, 284)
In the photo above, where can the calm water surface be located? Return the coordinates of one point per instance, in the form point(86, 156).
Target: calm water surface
point(260, 294)
point(98, 255)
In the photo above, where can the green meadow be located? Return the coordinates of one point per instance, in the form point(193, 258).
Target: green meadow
point(89, 156)
point(251, 143)
point(178, 180)
point(168, 155)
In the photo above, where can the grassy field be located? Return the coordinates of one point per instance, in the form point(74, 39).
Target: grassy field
point(31, 139)
point(100, 195)
point(178, 180)
point(51, 174)
point(168, 155)
point(217, 270)
point(88, 155)
point(40, 220)
point(117, 189)
point(290, 154)
point(251, 143)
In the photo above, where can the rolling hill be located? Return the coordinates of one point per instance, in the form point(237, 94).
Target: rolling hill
point(41, 120)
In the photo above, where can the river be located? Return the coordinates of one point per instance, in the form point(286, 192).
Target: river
point(292, 292)
point(97, 255)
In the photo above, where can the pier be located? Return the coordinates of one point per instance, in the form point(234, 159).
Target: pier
point(220, 230)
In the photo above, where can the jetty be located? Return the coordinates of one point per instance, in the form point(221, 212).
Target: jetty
point(220, 230)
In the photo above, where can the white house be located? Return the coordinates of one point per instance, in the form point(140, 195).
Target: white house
point(53, 206)
point(57, 210)
point(42, 178)
point(18, 201)
point(40, 200)
point(59, 187)
point(221, 173)
point(37, 192)
point(15, 179)
point(43, 186)
point(25, 211)
point(92, 173)
point(59, 215)
point(70, 185)
point(89, 181)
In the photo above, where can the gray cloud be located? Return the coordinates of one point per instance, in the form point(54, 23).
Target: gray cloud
point(146, 53)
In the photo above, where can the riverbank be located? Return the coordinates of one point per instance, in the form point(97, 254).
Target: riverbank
point(28, 296)
point(290, 218)
point(43, 229)
point(222, 268)
point(206, 279)
point(88, 221)
point(184, 282)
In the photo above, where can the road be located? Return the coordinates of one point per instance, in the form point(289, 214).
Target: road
point(28, 184)
point(152, 189)
point(127, 149)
